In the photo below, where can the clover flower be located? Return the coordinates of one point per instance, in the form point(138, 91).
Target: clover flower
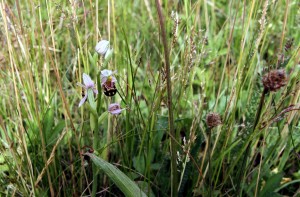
point(213, 120)
point(102, 47)
point(115, 109)
point(274, 80)
point(108, 82)
point(88, 84)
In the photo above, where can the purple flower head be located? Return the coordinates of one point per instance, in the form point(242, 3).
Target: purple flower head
point(88, 84)
point(107, 79)
point(115, 109)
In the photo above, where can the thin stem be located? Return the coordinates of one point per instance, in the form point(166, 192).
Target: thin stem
point(95, 145)
point(209, 162)
point(243, 166)
point(174, 180)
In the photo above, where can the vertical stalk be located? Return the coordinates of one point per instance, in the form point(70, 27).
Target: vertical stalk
point(108, 136)
point(95, 146)
point(244, 162)
point(174, 180)
point(209, 163)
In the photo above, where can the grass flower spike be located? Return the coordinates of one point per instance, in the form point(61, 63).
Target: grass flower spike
point(115, 109)
point(102, 47)
point(108, 82)
point(88, 84)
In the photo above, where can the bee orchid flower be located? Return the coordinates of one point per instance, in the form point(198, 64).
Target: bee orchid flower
point(88, 84)
point(108, 82)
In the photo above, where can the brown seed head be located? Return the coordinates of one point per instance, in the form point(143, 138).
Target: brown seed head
point(213, 120)
point(274, 80)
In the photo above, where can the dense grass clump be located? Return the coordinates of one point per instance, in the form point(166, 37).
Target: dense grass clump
point(150, 98)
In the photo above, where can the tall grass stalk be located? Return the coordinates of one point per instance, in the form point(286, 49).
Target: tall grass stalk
point(174, 179)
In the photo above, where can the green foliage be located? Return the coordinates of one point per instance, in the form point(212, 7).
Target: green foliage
point(271, 184)
point(125, 184)
point(219, 53)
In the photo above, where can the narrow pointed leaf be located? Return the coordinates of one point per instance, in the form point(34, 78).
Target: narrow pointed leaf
point(124, 183)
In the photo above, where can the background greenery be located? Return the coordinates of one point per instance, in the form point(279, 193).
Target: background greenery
point(219, 51)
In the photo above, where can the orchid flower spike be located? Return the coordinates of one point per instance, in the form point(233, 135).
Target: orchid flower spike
point(115, 109)
point(88, 84)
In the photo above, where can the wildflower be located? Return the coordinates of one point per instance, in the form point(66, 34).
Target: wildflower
point(213, 120)
point(108, 82)
point(274, 80)
point(102, 47)
point(88, 84)
point(115, 109)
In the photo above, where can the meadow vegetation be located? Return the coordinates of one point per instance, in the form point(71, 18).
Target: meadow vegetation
point(207, 100)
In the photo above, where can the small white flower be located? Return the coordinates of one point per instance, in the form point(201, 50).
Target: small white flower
point(102, 47)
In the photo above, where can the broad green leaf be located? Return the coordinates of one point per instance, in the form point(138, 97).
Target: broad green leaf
point(271, 184)
point(124, 183)
point(139, 163)
point(91, 99)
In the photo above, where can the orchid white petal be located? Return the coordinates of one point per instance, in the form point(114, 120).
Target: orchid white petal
point(106, 73)
point(103, 80)
point(82, 100)
point(95, 90)
point(87, 81)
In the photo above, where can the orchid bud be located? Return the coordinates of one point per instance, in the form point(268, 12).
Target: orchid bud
point(102, 47)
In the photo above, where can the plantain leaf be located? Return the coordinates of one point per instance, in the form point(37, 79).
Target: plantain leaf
point(124, 183)
point(271, 184)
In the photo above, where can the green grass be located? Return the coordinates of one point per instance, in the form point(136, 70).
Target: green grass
point(218, 53)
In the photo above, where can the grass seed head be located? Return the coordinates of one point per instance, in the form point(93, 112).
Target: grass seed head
point(274, 80)
point(213, 120)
